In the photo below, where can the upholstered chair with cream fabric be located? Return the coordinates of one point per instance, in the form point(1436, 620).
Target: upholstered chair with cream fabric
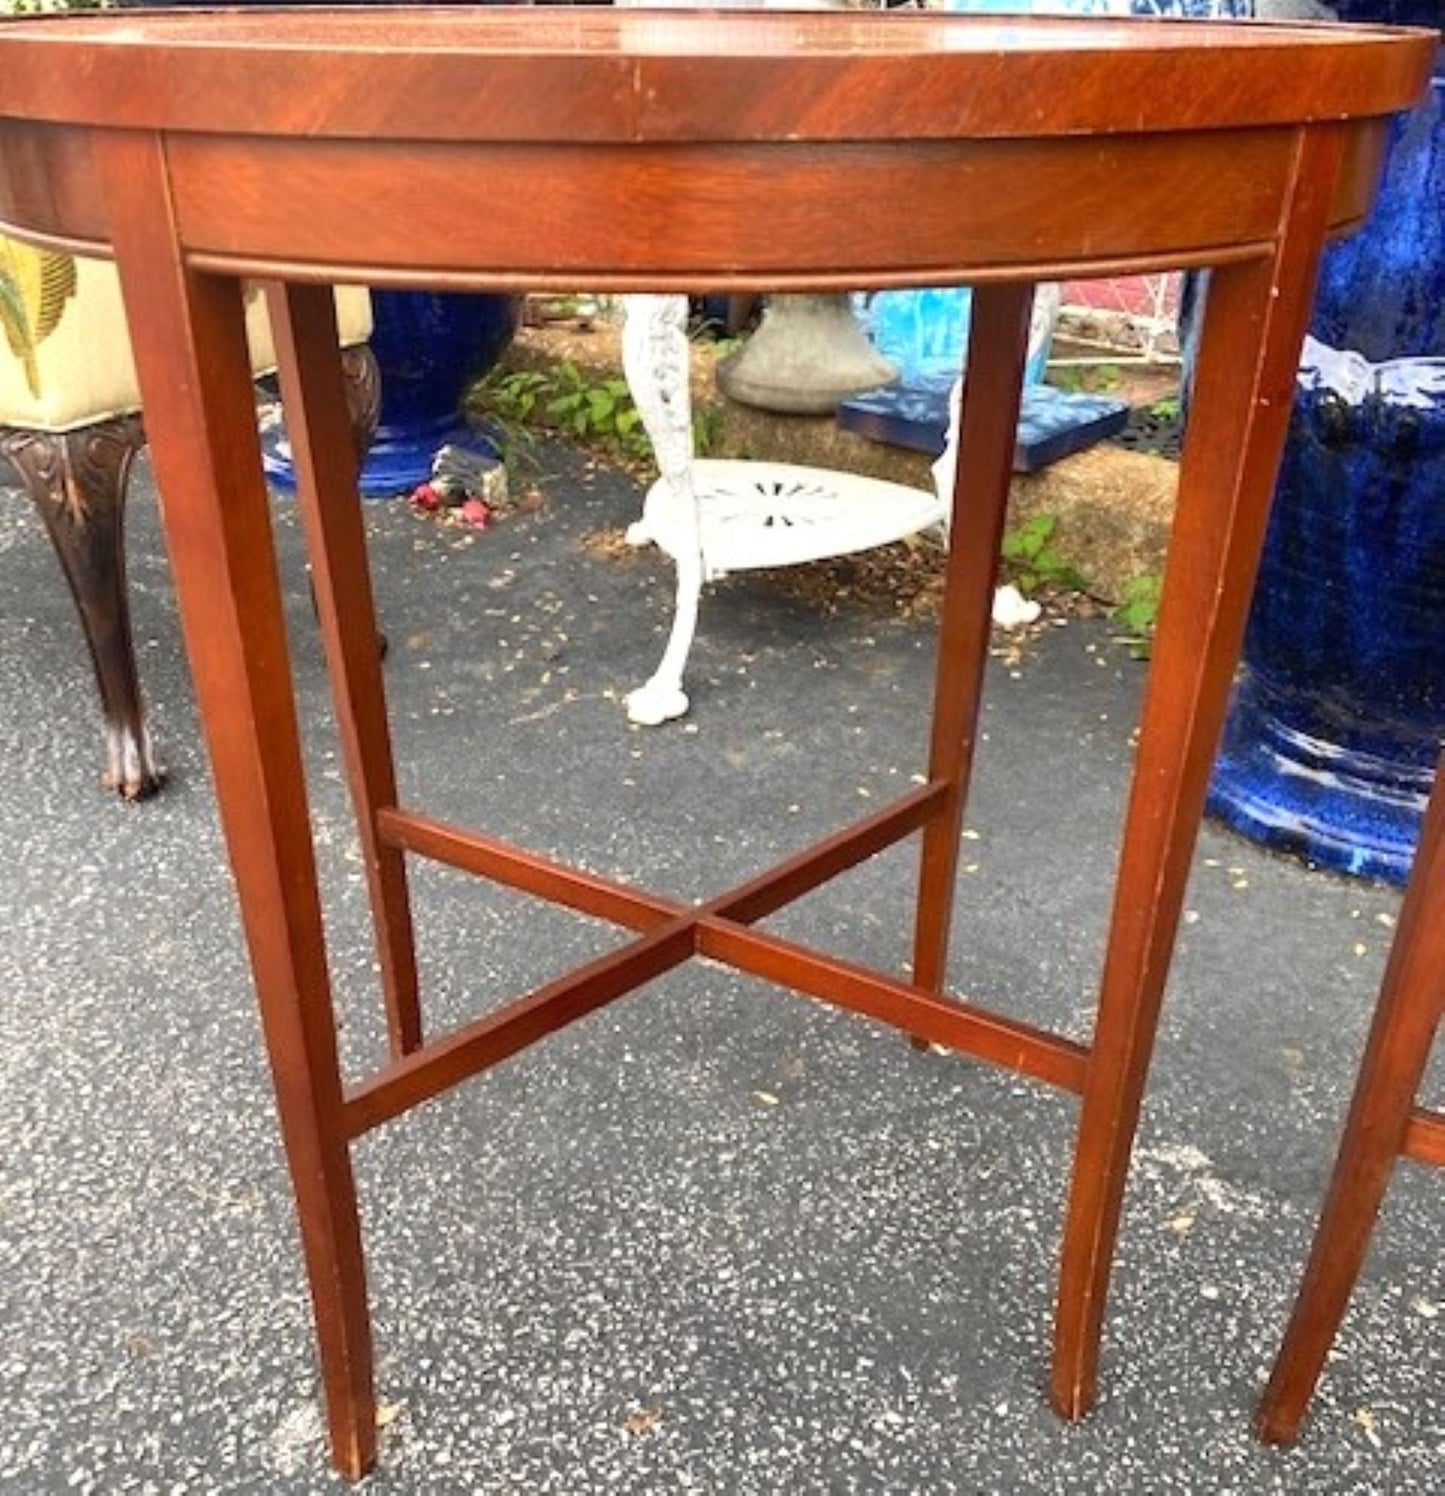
point(70, 427)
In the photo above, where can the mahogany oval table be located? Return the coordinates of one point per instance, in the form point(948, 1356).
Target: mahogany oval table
point(661, 151)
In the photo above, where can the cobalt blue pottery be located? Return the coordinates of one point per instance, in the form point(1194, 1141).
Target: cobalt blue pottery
point(430, 347)
point(1339, 709)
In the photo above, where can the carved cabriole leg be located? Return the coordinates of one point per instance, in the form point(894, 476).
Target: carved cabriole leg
point(1254, 325)
point(189, 337)
point(362, 376)
point(655, 360)
point(78, 481)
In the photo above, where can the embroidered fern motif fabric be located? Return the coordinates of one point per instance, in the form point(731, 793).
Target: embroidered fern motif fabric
point(35, 285)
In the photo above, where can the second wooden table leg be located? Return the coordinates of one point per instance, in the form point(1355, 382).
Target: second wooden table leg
point(988, 430)
point(313, 392)
point(1412, 999)
point(1254, 325)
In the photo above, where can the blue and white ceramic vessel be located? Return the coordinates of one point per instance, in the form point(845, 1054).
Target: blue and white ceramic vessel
point(1339, 711)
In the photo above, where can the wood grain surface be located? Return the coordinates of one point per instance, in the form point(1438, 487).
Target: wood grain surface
point(575, 148)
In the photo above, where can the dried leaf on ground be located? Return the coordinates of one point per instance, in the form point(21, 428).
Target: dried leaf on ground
point(609, 545)
point(644, 1422)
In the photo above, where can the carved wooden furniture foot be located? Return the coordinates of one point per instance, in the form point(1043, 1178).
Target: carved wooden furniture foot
point(70, 426)
point(78, 481)
point(361, 377)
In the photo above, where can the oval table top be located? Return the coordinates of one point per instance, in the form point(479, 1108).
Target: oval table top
point(635, 147)
point(592, 74)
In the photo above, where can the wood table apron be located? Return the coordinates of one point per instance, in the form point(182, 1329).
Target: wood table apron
point(628, 150)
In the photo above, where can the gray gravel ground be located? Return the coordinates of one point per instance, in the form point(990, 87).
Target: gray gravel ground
point(715, 1239)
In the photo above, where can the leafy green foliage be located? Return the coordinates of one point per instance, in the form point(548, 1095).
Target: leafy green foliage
point(725, 347)
point(707, 429)
point(1031, 560)
point(513, 396)
point(1166, 408)
point(1137, 611)
point(597, 412)
point(505, 403)
point(563, 399)
point(601, 413)
point(1087, 379)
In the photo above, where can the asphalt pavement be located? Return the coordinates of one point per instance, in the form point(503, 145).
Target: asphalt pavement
point(716, 1238)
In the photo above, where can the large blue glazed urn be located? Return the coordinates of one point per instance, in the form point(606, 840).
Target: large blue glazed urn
point(430, 347)
point(1339, 710)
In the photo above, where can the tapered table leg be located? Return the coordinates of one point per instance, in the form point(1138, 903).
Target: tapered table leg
point(313, 393)
point(1412, 1001)
point(188, 333)
point(1255, 321)
point(988, 430)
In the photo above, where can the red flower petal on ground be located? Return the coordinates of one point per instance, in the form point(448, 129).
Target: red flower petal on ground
point(477, 513)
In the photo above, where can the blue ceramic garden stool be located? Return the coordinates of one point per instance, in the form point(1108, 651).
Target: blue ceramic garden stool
point(1339, 711)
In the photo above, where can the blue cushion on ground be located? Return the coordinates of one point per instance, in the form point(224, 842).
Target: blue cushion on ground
point(1052, 423)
